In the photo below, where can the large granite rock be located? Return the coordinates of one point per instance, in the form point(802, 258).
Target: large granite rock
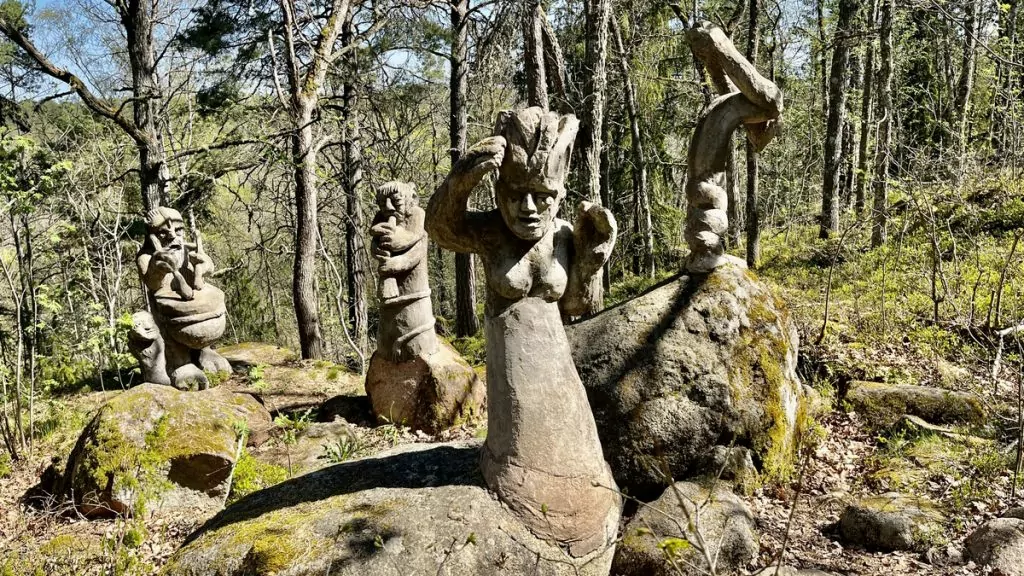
point(999, 544)
point(162, 449)
point(722, 521)
point(430, 392)
point(420, 509)
point(698, 361)
point(891, 522)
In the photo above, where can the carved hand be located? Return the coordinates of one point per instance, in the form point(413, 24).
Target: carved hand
point(201, 263)
point(482, 158)
point(593, 236)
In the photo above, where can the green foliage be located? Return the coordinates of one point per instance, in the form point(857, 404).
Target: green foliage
point(254, 377)
point(472, 348)
point(344, 448)
point(6, 466)
point(251, 475)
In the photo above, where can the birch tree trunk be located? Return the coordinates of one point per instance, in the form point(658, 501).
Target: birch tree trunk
point(866, 112)
point(965, 84)
point(753, 215)
point(355, 264)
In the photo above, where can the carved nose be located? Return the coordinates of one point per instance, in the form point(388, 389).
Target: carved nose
point(389, 204)
point(528, 204)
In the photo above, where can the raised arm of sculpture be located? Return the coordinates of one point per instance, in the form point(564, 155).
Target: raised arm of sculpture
point(449, 221)
point(593, 238)
point(757, 105)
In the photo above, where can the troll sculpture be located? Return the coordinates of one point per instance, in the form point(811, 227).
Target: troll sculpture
point(413, 378)
point(172, 344)
point(542, 455)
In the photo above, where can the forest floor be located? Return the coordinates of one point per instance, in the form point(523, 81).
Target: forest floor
point(326, 406)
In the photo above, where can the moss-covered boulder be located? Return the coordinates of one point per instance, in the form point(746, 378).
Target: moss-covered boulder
point(891, 522)
point(697, 361)
point(665, 537)
point(419, 509)
point(883, 405)
point(158, 448)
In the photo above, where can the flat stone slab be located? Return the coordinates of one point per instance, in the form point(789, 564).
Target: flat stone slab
point(422, 508)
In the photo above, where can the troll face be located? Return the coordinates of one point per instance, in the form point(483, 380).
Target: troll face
point(167, 232)
point(396, 199)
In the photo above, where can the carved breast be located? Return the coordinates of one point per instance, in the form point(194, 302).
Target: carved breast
point(539, 270)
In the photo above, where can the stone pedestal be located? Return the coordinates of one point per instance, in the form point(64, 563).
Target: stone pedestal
point(431, 392)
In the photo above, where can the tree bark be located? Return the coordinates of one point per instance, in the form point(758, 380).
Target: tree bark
point(533, 55)
point(355, 264)
point(733, 212)
point(880, 184)
point(836, 119)
point(466, 323)
point(137, 19)
point(753, 215)
point(307, 310)
point(962, 102)
point(641, 201)
point(866, 113)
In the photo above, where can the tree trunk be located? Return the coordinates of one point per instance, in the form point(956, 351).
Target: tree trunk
point(822, 65)
point(836, 120)
point(533, 55)
point(641, 200)
point(879, 185)
point(866, 113)
point(732, 209)
point(355, 264)
point(307, 310)
point(962, 102)
point(466, 323)
point(153, 173)
point(753, 215)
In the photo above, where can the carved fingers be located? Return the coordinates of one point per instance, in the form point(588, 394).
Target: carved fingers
point(593, 237)
point(482, 158)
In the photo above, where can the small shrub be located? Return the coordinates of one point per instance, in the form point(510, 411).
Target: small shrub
point(6, 468)
point(342, 449)
point(252, 475)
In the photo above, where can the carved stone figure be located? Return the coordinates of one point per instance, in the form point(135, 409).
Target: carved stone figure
point(747, 99)
point(542, 455)
point(400, 245)
point(413, 378)
point(173, 344)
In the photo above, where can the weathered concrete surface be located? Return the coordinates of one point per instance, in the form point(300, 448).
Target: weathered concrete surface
point(542, 456)
point(697, 361)
point(166, 448)
point(884, 404)
point(423, 509)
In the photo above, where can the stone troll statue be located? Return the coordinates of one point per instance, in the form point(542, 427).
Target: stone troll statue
point(399, 243)
point(172, 344)
point(746, 99)
point(542, 455)
point(413, 378)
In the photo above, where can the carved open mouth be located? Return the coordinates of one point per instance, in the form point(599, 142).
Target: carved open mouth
point(532, 222)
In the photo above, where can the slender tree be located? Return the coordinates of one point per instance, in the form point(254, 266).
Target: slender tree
point(146, 128)
point(836, 119)
point(466, 323)
point(965, 83)
point(355, 264)
point(753, 216)
point(641, 201)
point(866, 109)
point(885, 111)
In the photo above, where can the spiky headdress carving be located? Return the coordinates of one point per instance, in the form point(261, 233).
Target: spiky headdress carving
point(406, 189)
point(157, 217)
point(538, 147)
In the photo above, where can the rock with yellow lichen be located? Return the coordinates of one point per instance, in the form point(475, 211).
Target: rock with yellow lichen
point(697, 361)
point(156, 448)
point(418, 509)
